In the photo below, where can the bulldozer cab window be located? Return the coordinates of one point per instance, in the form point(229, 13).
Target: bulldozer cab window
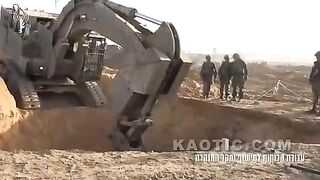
point(96, 43)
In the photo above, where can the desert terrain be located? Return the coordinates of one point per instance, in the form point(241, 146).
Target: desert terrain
point(72, 142)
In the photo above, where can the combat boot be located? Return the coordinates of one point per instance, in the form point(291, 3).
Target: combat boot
point(312, 111)
point(240, 94)
point(221, 96)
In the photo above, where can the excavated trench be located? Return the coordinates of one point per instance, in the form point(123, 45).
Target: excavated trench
point(88, 129)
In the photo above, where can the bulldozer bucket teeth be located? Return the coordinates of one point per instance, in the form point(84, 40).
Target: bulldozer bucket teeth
point(121, 143)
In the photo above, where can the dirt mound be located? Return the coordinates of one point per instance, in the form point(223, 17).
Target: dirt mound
point(8, 112)
point(69, 128)
point(88, 128)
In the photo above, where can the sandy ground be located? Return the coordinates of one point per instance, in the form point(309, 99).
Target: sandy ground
point(74, 164)
point(39, 144)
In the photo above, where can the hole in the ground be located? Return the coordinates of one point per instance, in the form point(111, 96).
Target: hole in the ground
point(86, 128)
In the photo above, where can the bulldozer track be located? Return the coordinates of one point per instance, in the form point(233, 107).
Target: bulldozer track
point(27, 97)
point(96, 92)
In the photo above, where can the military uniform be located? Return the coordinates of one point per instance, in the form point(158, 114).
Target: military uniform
point(224, 78)
point(208, 71)
point(314, 80)
point(239, 74)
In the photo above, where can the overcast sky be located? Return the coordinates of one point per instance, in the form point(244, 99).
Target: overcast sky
point(267, 27)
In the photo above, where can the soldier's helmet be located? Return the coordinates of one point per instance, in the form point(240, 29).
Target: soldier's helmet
point(208, 57)
point(226, 57)
point(236, 56)
point(317, 54)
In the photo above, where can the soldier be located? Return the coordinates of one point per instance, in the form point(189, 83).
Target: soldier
point(225, 76)
point(239, 74)
point(207, 71)
point(314, 80)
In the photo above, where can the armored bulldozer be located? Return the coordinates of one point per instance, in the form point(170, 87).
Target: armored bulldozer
point(47, 53)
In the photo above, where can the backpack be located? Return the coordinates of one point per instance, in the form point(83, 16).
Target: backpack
point(207, 68)
point(237, 68)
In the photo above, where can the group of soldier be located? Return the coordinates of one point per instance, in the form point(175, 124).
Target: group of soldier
point(235, 72)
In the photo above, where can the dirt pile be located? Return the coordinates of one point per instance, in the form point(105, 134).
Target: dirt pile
point(88, 128)
point(8, 111)
point(68, 128)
